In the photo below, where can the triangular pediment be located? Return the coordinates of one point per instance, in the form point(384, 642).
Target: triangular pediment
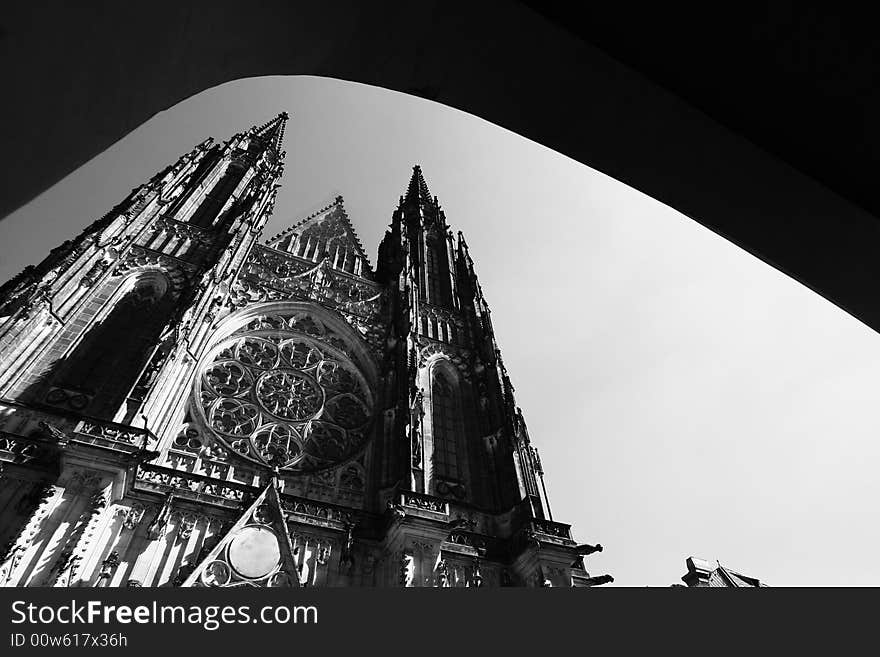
point(256, 551)
point(325, 233)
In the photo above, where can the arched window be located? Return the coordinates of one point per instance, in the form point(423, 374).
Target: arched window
point(447, 426)
point(110, 356)
point(437, 273)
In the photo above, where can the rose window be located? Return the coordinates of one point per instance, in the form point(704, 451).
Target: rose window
point(289, 395)
point(282, 393)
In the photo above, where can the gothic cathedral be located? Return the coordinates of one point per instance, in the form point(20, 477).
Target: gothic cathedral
point(181, 405)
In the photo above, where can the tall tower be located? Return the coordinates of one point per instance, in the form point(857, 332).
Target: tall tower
point(182, 405)
point(97, 346)
point(466, 451)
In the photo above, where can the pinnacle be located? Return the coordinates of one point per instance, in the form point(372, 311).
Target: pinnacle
point(418, 188)
point(273, 131)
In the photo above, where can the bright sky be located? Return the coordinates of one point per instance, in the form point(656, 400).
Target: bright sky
point(686, 398)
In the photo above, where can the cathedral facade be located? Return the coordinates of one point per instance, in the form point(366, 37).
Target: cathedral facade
point(183, 405)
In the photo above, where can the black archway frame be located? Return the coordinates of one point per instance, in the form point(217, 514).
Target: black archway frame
point(795, 82)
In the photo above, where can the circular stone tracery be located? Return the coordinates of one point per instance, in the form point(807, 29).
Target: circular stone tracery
point(282, 392)
point(289, 395)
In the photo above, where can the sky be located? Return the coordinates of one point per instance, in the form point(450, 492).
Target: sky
point(686, 398)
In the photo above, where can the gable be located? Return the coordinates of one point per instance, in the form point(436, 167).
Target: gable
point(328, 232)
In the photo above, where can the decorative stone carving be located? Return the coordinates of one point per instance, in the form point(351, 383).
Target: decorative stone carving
point(442, 571)
point(186, 523)
point(157, 528)
point(318, 511)
point(164, 480)
point(456, 355)
point(346, 558)
point(83, 481)
point(66, 566)
point(133, 516)
point(13, 550)
point(417, 412)
point(108, 567)
point(20, 449)
point(270, 274)
point(396, 510)
point(279, 396)
point(284, 388)
point(477, 576)
point(179, 230)
point(426, 502)
point(453, 488)
point(351, 478)
point(407, 569)
point(66, 398)
point(255, 552)
point(67, 563)
point(179, 273)
point(322, 553)
point(109, 431)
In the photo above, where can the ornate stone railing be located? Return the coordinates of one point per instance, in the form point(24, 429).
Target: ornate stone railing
point(111, 434)
point(47, 424)
point(181, 230)
point(271, 274)
point(191, 486)
point(551, 528)
point(15, 449)
point(424, 502)
point(469, 539)
point(536, 531)
point(316, 513)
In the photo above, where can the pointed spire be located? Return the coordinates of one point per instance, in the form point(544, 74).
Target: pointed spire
point(273, 131)
point(418, 188)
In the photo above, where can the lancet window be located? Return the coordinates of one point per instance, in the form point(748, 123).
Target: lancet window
point(447, 427)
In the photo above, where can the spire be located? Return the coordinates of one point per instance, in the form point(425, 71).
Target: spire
point(418, 188)
point(273, 131)
point(418, 202)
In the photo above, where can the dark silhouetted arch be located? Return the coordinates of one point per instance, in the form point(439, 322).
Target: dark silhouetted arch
point(794, 81)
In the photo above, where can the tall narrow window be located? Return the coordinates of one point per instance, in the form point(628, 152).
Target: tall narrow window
point(209, 160)
point(437, 274)
point(110, 357)
point(214, 200)
point(447, 426)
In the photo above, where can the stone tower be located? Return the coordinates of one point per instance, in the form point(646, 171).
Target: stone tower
point(181, 405)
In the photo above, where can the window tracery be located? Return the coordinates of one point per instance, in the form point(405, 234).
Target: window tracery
point(447, 425)
point(281, 393)
point(132, 325)
point(437, 272)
